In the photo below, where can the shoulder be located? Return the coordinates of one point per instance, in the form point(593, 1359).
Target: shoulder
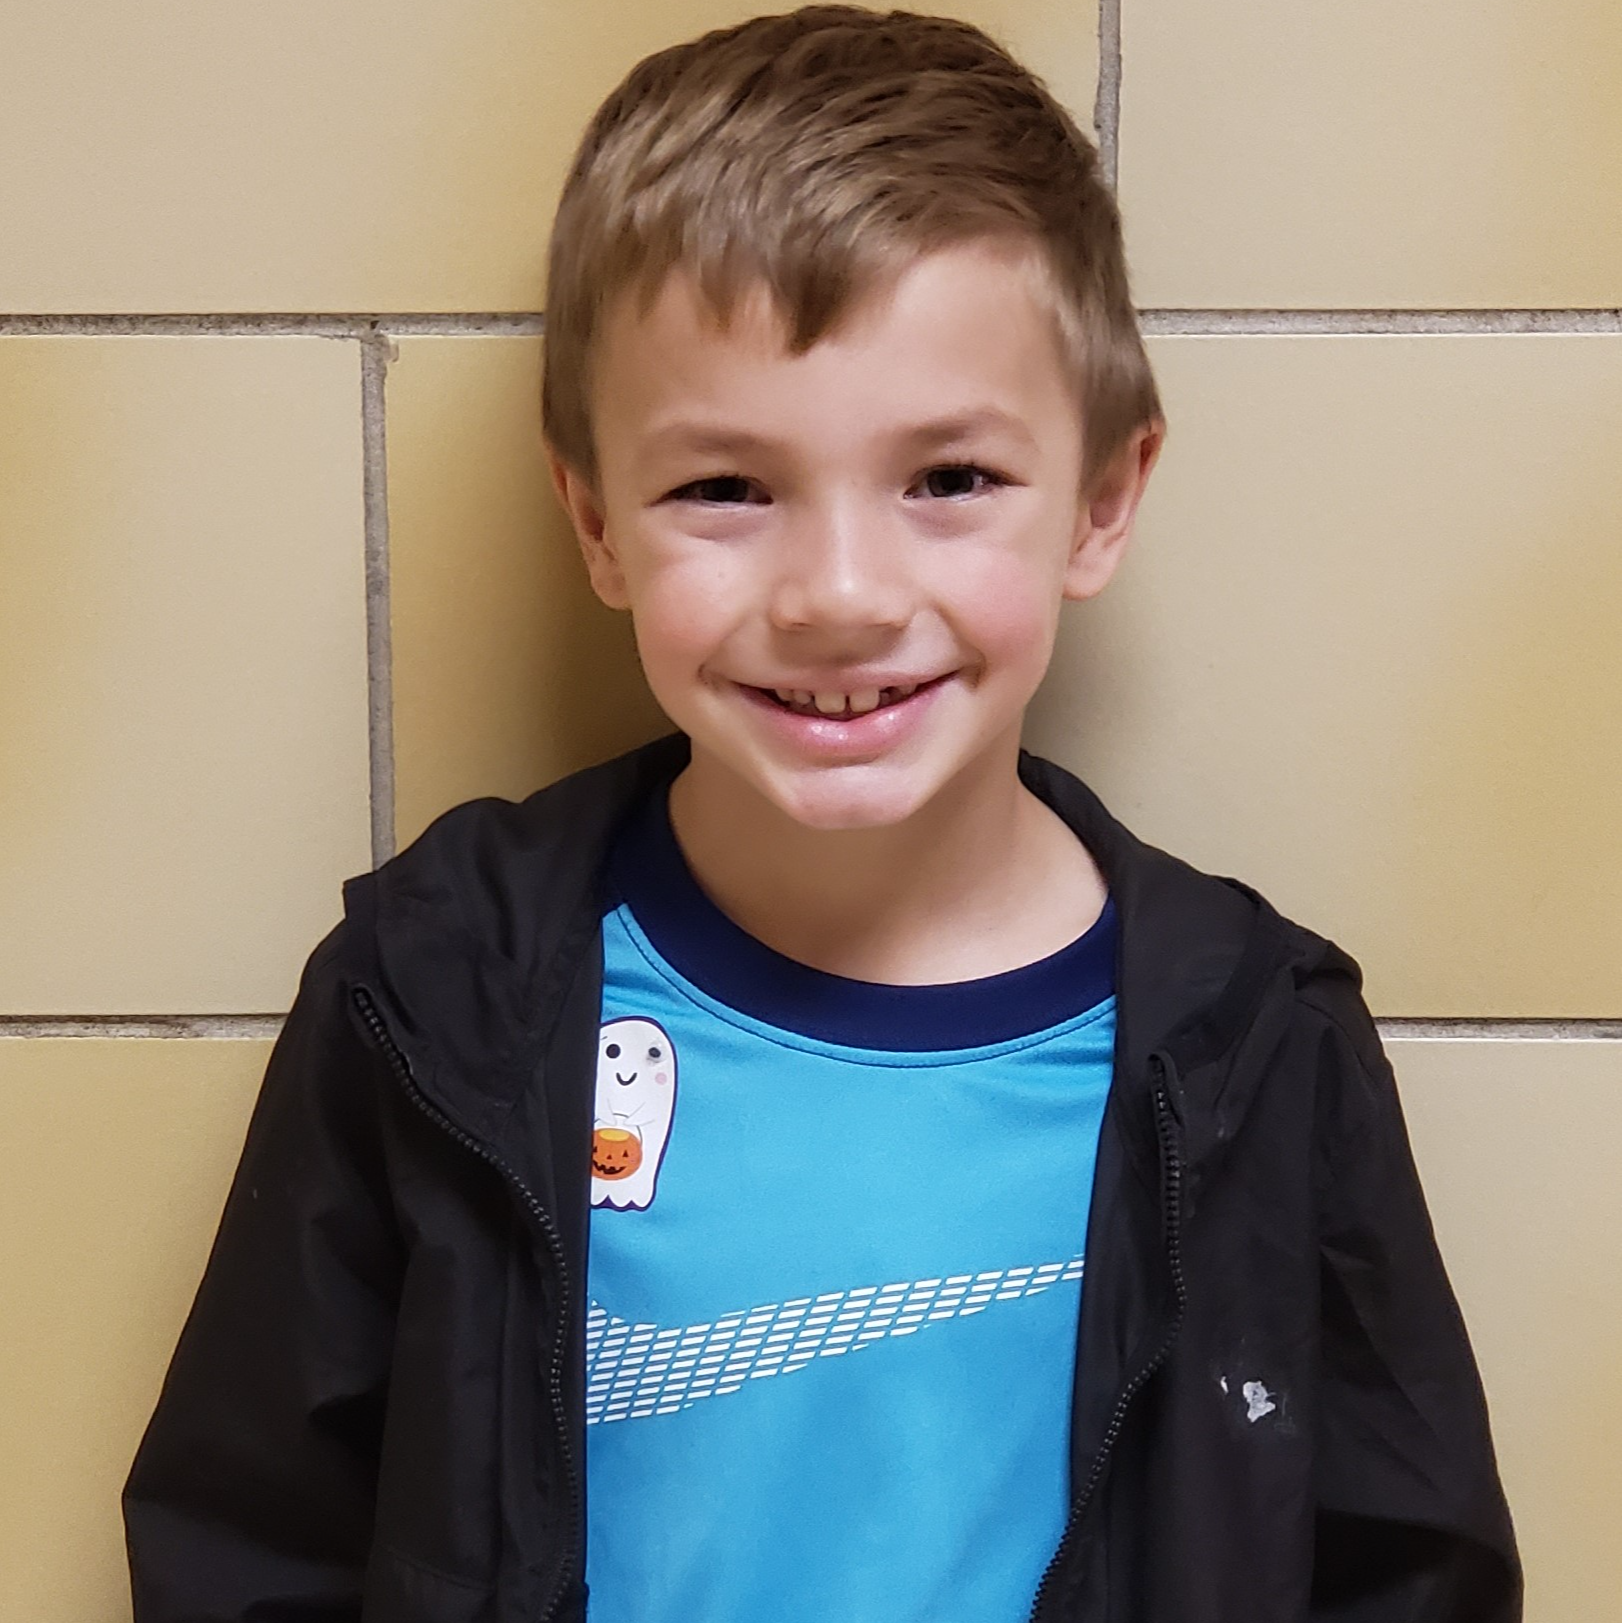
point(483, 868)
point(566, 819)
point(1202, 956)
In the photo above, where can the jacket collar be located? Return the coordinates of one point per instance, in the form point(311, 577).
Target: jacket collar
point(470, 936)
point(1205, 972)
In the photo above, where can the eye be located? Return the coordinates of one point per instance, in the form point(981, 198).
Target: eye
point(613, 1051)
point(653, 1053)
point(720, 490)
point(957, 479)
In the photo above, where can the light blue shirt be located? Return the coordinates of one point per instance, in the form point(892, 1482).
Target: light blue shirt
point(835, 1266)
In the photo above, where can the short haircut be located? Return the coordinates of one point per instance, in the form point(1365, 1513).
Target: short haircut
point(819, 153)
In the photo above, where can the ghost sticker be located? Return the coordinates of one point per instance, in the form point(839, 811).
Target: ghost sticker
point(636, 1094)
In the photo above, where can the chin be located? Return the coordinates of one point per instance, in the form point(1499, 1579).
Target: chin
point(848, 798)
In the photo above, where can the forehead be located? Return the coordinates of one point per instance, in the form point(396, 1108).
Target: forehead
point(961, 332)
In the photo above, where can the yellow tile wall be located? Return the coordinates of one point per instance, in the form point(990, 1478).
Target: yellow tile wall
point(1364, 654)
point(1460, 154)
point(118, 1154)
point(508, 672)
point(1517, 1145)
point(183, 689)
point(183, 156)
point(1416, 514)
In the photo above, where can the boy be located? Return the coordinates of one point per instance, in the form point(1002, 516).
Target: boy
point(679, 1188)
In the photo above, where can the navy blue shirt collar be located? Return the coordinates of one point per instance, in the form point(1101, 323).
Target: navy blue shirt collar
point(648, 872)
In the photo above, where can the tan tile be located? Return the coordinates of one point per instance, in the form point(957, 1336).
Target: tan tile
point(118, 1156)
point(508, 673)
point(188, 157)
point(1458, 154)
point(1517, 1144)
point(1364, 655)
point(182, 668)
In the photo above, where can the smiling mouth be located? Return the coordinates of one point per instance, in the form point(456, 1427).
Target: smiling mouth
point(834, 705)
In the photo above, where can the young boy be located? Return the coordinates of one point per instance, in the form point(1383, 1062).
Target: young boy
point(821, 1168)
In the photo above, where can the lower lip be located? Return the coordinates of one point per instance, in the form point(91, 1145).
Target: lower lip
point(846, 738)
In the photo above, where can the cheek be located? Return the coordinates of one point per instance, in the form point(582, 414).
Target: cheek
point(1006, 607)
point(682, 608)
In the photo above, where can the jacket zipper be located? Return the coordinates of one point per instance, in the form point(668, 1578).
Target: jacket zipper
point(1172, 1213)
point(401, 1067)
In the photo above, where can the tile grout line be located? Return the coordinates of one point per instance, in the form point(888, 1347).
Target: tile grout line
point(216, 1027)
point(498, 324)
point(376, 353)
point(1419, 1028)
point(1373, 322)
point(258, 1026)
point(287, 324)
point(523, 324)
point(1107, 98)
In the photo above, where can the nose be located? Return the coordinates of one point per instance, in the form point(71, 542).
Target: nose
point(842, 569)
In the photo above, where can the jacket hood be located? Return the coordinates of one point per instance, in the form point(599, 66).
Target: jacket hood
point(469, 935)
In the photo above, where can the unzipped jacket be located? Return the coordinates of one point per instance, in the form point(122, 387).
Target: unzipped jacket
point(376, 1408)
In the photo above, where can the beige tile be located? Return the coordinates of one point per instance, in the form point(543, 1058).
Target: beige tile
point(117, 1159)
point(1457, 154)
point(1517, 1144)
point(187, 156)
point(182, 668)
point(1364, 655)
point(508, 673)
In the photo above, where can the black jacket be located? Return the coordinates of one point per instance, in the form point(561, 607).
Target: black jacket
point(376, 1408)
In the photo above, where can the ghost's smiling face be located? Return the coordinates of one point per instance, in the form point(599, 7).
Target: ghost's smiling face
point(635, 1095)
point(642, 1048)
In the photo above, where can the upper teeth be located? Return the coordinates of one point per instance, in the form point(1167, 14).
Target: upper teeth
point(834, 704)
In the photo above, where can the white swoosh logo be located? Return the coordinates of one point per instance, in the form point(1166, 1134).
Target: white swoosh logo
point(637, 1370)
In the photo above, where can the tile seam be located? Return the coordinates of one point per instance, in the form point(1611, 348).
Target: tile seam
point(511, 324)
point(1154, 320)
point(1500, 1030)
point(267, 1025)
point(239, 324)
point(1373, 322)
point(376, 353)
point(232, 1027)
point(1107, 96)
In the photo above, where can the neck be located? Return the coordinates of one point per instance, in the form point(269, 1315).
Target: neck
point(982, 879)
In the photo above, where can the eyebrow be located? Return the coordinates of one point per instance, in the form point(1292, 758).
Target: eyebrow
point(966, 424)
point(937, 431)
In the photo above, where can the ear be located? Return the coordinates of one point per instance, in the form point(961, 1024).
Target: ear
point(1105, 518)
point(586, 514)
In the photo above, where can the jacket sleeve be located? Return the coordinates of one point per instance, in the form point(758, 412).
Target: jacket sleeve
point(1411, 1524)
point(251, 1495)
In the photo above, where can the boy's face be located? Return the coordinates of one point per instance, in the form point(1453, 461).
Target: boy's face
point(845, 568)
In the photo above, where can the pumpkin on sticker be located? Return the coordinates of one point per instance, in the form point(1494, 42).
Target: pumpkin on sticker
point(615, 1153)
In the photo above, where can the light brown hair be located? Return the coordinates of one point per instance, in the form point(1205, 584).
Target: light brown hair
point(819, 152)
